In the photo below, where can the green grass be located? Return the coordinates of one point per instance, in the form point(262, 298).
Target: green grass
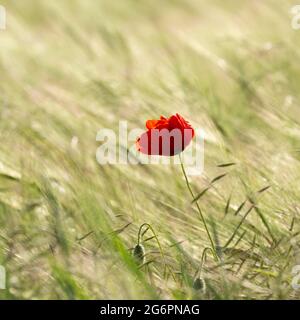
point(68, 225)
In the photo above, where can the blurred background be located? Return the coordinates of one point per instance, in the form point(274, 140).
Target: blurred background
point(68, 225)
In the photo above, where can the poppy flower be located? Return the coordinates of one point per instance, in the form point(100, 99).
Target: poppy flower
point(166, 136)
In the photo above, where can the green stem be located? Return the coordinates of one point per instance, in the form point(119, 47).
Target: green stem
point(159, 246)
point(203, 259)
point(199, 210)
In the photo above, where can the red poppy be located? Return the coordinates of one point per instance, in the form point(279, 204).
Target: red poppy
point(166, 136)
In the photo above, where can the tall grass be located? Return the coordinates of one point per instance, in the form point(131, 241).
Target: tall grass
point(68, 226)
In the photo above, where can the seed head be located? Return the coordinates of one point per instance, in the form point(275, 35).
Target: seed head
point(199, 285)
point(139, 254)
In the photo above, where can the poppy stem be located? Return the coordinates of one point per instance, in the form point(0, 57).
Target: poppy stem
point(203, 260)
point(159, 246)
point(199, 210)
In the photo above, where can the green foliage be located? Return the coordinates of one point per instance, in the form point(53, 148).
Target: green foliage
point(68, 226)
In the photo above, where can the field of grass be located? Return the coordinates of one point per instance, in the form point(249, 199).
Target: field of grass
point(68, 225)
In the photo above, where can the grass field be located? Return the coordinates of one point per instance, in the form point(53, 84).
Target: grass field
point(68, 225)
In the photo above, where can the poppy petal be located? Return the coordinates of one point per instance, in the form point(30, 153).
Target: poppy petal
point(151, 124)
